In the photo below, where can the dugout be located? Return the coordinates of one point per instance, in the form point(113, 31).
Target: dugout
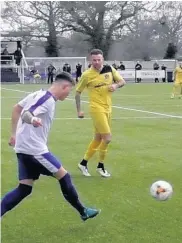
point(9, 69)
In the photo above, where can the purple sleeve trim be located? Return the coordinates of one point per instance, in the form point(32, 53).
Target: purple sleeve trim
point(40, 101)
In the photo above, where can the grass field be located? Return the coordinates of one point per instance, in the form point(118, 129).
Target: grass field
point(145, 147)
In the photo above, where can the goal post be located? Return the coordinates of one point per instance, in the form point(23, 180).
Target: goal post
point(41, 64)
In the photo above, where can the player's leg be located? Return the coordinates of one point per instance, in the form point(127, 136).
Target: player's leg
point(27, 174)
point(103, 148)
point(104, 125)
point(51, 78)
point(101, 122)
point(175, 89)
point(76, 77)
point(91, 150)
point(48, 78)
point(180, 95)
point(52, 166)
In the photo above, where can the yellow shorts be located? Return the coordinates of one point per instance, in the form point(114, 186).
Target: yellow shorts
point(101, 122)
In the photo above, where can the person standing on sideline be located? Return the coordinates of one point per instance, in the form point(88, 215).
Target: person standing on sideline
point(138, 66)
point(156, 67)
point(50, 70)
point(78, 71)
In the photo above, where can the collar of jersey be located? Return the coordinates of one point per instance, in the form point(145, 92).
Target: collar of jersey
point(97, 69)
point(52, 95)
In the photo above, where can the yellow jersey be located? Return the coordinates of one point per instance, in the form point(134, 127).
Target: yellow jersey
point(97, 83)
point(178, 75)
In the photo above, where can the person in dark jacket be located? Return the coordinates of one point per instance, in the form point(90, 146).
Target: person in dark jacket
point(115, 65)
point(156, 67)
point(18, 56)
point(163, 67)
point(50, 70)
point(121, 66)
point(78, 71)
point(67, 68)
point(138, 66)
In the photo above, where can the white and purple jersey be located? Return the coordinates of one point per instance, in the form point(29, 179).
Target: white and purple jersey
point(33, 140)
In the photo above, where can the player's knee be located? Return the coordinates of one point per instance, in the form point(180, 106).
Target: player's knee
point(98, 137)
point(24, 190)
point(107, 139)
point(60, 173)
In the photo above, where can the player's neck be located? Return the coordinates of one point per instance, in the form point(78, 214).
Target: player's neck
point(53, 93)
point(97, 68)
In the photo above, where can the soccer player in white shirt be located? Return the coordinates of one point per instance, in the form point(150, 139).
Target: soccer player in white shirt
point(31, 121)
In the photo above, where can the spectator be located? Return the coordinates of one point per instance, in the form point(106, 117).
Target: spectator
point(50, 69)
point(5, 52)
point(89, 65)
point(115, 65)
point(18, 56)
point(67, 68)
point(156, 67)
point(138, 66)
point(78, 71)
point(163, 67)
point(121, 66)
point(35, 73)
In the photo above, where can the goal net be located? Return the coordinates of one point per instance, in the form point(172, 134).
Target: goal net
point(35, 69)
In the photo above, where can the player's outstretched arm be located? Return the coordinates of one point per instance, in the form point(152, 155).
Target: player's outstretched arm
point(17, 109)
point(119, 82)
point(78, 105)
point(29, 118)
point(117, 85)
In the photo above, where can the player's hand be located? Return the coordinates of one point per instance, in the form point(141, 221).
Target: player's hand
point(81, 114)
point(36, 122)
point(12, 141)
point(112, 87)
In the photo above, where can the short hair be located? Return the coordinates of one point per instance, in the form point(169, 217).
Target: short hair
point(64, 76)
point(96, 52)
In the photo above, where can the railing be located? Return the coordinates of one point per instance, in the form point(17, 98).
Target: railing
point(22, 67)
point(7, 61)
point(138, 75)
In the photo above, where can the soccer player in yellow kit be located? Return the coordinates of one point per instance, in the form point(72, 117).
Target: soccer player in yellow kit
point(177, 81)
point(100, 80)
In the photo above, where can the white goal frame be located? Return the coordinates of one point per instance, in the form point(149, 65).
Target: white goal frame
point(25, 66)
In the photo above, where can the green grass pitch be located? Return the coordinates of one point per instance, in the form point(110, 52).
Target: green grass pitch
point(146, 147)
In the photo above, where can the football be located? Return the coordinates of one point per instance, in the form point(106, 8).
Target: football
point(161, 190)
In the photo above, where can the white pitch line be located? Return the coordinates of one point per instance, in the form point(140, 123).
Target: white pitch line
point(17, 90)
point(114, 118)
point(85, 96)
point(156, 105)
point(115, 106)
point(138, 110)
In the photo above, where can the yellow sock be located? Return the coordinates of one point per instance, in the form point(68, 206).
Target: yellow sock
point(92, 148)
point(102, 151)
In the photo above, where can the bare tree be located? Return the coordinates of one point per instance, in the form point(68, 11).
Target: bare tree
point(170, 21)
point(40, 19)
point(139, 43)
point(101, 20)
point(155, 35)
